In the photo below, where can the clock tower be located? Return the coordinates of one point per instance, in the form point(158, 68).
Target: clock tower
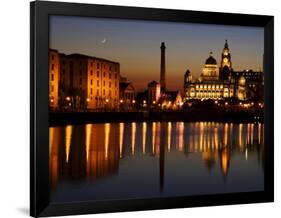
point(226, 65)
point(226, 57)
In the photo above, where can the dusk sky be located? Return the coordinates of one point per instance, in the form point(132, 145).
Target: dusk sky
point(136, 46)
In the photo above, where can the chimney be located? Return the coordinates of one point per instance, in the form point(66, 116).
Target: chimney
point(163, 68)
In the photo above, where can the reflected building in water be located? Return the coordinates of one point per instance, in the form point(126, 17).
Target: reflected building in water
point(96, 151)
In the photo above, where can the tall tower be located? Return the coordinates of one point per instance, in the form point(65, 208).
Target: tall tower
point(163, 68)
point(226, 57)
point(226, 64)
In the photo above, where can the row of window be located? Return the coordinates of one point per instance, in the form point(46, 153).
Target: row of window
point(104, 66)
point(209, 86)
point(202, 91)
point(91, 73)
point(104, 83)
point(104, 74)
point(103, 92)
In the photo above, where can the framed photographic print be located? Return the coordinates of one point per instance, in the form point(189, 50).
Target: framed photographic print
point(140, 108)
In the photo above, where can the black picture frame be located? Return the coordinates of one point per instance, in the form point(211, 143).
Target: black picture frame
point(39, 112)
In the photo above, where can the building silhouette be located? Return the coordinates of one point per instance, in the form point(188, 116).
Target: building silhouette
point(163, 67)
point(127, 95)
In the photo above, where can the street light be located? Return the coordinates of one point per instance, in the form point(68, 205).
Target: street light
point(121, 101)
point(87, 99)
point(133, 101)
point(68, 98)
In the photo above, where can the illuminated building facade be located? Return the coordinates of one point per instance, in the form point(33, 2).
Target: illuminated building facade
point(216, 82)
point(127, 95)
point(87, 82)
point(254, 83)
point(54, 76)
point(171, 100)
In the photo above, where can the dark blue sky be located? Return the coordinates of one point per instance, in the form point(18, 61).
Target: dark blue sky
point(136, 45)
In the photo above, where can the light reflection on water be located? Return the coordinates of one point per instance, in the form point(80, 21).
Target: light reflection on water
point(128, 160)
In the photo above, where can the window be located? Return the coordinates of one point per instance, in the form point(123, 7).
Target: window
point(115, 84)
point(52, 77)
point(115, 75)
point(91, 73)
point(52, 57)
point(98, 83)
point(109, 84)
point(91, 82)
point(98, 93)
point(110, 93)
point(91, 91)
point(98, 74)
point(98, 65)
point(104, 91)
point(103, 74)
point(109, 75)
point(52, 66)
point(103, 83)
point(110, 68)
point(52, 88)
point(91, 64)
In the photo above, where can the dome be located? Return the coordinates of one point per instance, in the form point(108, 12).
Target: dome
point(242, 81)
point(210, 60)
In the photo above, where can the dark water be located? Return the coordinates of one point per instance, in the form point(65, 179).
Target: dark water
point(143, 160)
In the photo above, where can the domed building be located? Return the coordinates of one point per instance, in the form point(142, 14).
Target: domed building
point(215, 82)
point(210, 70)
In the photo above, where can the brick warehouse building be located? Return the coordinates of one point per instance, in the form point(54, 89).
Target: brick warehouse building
point(80, 82)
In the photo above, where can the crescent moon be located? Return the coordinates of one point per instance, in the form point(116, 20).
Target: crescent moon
point(104, 40)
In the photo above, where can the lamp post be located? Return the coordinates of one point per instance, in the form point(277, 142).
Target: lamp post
point(68, 102)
